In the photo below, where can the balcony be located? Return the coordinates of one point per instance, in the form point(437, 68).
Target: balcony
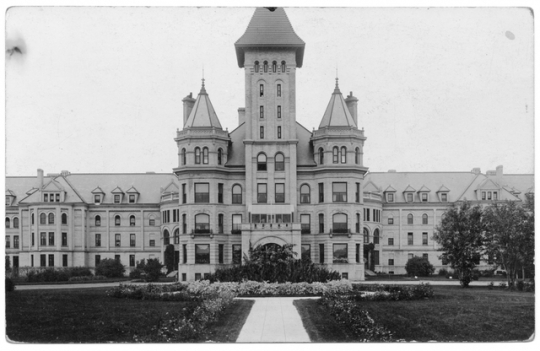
point(271, 226)
point(169, 197)
point(340, 229)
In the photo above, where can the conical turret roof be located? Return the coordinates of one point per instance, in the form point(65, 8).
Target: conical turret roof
point(203, 113)
point(337, 114)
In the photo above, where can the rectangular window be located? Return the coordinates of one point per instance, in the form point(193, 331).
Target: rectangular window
point(424, 239)
point(45, 197)
point(357, 253)
point(51, 260)
point(279, 132)
point(202, 193)
point(220, 193)
point(494, 195)
point(321, 192)
point(31, 260)
point(483, 195)
point(132, 260)
point(64, 239)
point(279, 111)
point(261, 112)
point(184, 253)
point(220, 253)
point(152, 243)
point(489, 195)
point(279, 90)
point(184, 195)
point(424, 197)
point(262, 132)
point(98, 240)
point(43, 239)
point(15, 241)
point(97, 199)
point(306, 252)
point(444, 198)
point(344, 275)
point(340, 253)
point(116, 199)
point(33, 239)
point(117, 258)
point(357, 194)
point(390, 197)
point(305, 222)
point(8, 243)
point(43, 260)
point(64, 260)
point(184, 277)
point(132, 240)
point(339, 192)
point(117, 240)
point(237, 254)
point(57, 196)
point(390, 241)
point(131, 199)
point(173, 216)
point(390, 261)
point(410, 256)
point(184, 224)
point(198, 276)
point(280, 193)
point(236, 224)
point(376, 257)
point(51, 239)
point(410, 240)
point(321, 253)
point(426, 256)
point(261, 193)
point(321, 223)
point(409, 197)
point(444, 260)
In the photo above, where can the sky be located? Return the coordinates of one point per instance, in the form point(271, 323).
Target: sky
point(99, 90)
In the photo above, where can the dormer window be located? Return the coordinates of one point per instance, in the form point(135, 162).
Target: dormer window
point(424, 197)
point(131, 199)
point(409, 197)
point(390, 197)
point(444, 197)
point(97, 199)
point(116, 199)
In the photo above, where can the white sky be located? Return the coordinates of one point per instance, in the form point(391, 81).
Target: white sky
point(99, 89)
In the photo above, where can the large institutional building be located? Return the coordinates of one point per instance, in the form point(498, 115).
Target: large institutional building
point(269, 181)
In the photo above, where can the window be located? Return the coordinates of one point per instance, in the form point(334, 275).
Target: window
point(376, 236)
point(176, 236)
point(33, 239)
point(42, 259)
point(7, 222)
point(424, 219)
point(306, 252)
point(261, 162)
point(357, 252)
point(197, 156)
point(279, 161)
point(132, 240)
point(321, 192)
point(64, 260)
point(376, 257)
point(45, 197)
point(357, 227)
point(131, 221)
point(256, 66)
point(321, 156)
point(166, 237)
point(280, 192)
point(410, 219)
point(343, 154)
point(51, 239)
point(42, 238)
point(305, 223)
point(184, 253)
point(357, 156)
point(444, 197)
point(335, 154)
point(367, 212)
point(357, 194)
point(410, 238)
point(274, 66)
point(366, 235)
point(339, 192)
point(184, 224)
point(261, 193)
point(265, 66)
point(151, 222)
point(131, 199)
point(261, 89)
point(202, 193)
point(390, 197)
point(237, 254)
point(117, 240)
point(390, 220)
point(220, 193)
point(321, 253)
point(279, 90)
point(97, 221)
point(424, 238)
point(494, 195)
point(237, 194)
point(340, 253)
point(390, 241)
point(202, 223)
point(219, 156)
point(51, 218)
point(321, 223)
point(31, 260)
point(283, 66)
point(425, 256)
point(64, 218)
point(8, 243)
point(220, 253)
point(43, 218)
point(152, 241)
point(184, 194)
point(132, 260)
point(444, 260)
point(262, 132)
point(261, 112)
point(279, 132)
point(98, 240)
point(236, 224)
point(117, 258)
point(117, 220)
point(411, 256)
point(409, 197)
point(483, 195)
point(184, 161)
point(198, 276)
point(305, 197)
point(32, 218)
point(279, 112)
point(97, 199)
point(424, 197)
point(64, 239)
point(51, 260)
point(489, 195)
point(205, 156)
point(339, 223)
point(116, 199)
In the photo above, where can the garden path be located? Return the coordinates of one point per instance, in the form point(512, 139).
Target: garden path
point(273, 319)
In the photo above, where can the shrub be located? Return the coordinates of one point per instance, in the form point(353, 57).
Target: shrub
point(391, 292)
point(110, 268)
point(475, 274)
point(487, 273)
point(520, 285)
point(443, 272)
point(169, 258)
point(148, 270)
point(419, 266)
point(84, 278)
point(10, 286)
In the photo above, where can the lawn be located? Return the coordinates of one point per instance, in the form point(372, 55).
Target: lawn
point(89, 316)
point(453, 314)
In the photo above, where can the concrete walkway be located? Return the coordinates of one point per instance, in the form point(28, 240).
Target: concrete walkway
point(78, 286)
point(274, 319)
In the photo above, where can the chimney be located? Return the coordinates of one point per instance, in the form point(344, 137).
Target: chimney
point(352, 105)
point(476, 171)
point(241, 115)
point(39, 178)
point(188, 101)
point(499, 172)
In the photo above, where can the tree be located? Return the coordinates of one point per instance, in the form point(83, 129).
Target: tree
point(419, 266)
point(460, 238)
point(169, 258)
point(110, 268)
point(510, 237)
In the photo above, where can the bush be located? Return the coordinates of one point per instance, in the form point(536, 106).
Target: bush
point(10, 286)
point(51, 274)
point(475, 274)
point(443, 272)
point(148, 270)
point(84, 278)
point(419, 266)
point(487, 273)
point(169, 258)
point(110, 268)
point(136, 273)
point(382, 292)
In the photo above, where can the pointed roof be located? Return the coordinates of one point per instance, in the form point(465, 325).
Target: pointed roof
point(171, 188)
point(390, 189)
point(337, 113)
point(97, 191)
point(203, 113)
point(132, 190)
point(53, 185)
point(117, 190)
point(408, 189)
point(9, 193)
point(270, 27)
point(424, 189)
point(443, 189)
point(370, 187)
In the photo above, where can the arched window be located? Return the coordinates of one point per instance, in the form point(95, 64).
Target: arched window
point(274, 66)
point(8, 222)
point(15, 222)
point(202, 223)
point(177, 236)
point(357, 156)
point(339, 223)
point(279, 161)
point(197, 156)
point(220, 223)
point(376, 236)
point(51, 218)
point(261, 89)
point(98, 221)
point(283, 66)
point(424, 219)
point(335, 154)
point(366, 236)
point(236, 194)
point(257, 66)
point(343, 154)
point(132, 221)
point(205, 156)
point(321, 156)
point(261, 162)
point(166, 237)
point(265, 66)
point(64, 218)
point(409, 218)
point(305, 194)
point(43, 218)
point(219, 155)
point(117, 220)
point(184, 157)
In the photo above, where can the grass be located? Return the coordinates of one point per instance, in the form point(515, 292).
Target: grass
point(454, 314)
point(392, 277)
point(89, 316)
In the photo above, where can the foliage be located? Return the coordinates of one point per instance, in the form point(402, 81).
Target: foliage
point(460, 238)
point(51, 274)
point(110, 268)
point(10, 285)
point(8, 264)
point(148, 270)
point(442, 272)
point(419, 266)
point(85, 278)
point(169, 258)
point(369, 248)
point(383, 292)
point(510, 237)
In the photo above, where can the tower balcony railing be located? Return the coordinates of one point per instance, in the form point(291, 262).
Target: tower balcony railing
point(339, 130)
point(271, 226)
point(340, 228)
point(169, 197)
point(201, 131)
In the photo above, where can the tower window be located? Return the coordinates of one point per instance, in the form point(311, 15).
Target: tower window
point(279, 159)
point(261, 162)
point(343, 154)
point(274, 66)
point(262, 132)
point(279, 90)
point(261, 193)
point(283, 66)
point(205, 156)
point(184, 157)
point(305, 194)
point(335, 154)
point(261, 90)
point(279, 132)
point(357, 156)
point(197, 155)
point(257, 66)
point(219, 156)
point(280, 192)
point(321, 156)
point(265, 66)
point(261, 111)
point(279, 111)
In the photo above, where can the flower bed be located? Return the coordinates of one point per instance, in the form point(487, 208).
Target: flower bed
point(382, 292)
point(85, 278)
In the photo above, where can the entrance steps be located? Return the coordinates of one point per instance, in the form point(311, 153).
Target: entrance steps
point(370, 273)
point(172, 274)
